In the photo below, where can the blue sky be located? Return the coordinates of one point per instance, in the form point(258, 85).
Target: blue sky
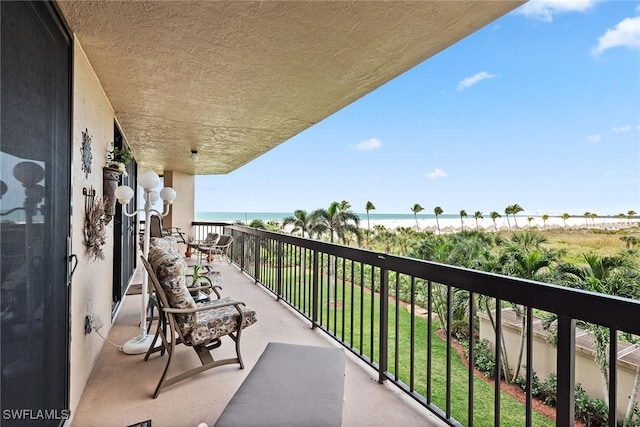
point(540, 108)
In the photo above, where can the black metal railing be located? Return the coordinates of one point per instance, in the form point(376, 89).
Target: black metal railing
point(368, 302)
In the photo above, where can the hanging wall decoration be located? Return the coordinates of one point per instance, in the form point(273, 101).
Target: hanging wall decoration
point(85, 152)
point(95, 233)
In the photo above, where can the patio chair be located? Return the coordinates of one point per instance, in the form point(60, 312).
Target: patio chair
point(221, 249)
point(206, 245)
point(199, 326)
point(157, 230)
point(203, 282)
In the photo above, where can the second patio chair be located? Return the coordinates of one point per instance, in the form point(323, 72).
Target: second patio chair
point(221, 249)
point(206, 245)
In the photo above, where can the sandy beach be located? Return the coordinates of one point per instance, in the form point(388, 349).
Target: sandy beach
point(451, 225)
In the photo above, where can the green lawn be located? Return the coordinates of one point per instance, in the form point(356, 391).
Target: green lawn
point(334, 302)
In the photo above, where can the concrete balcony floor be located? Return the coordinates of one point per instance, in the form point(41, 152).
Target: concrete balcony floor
point(119, 390)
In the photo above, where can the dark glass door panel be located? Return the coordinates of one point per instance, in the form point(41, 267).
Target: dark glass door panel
point(124, 235)
point(34, 214)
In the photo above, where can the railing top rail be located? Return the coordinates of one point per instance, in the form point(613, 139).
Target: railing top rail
point(606, 310)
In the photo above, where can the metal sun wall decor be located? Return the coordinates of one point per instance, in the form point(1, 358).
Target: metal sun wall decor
point(85, 152)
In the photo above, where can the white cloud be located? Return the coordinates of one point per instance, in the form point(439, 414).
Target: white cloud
point(470, 81)
point(622, 129)
point(367, 145)
point(625, 34)
point(544, 10)
point(593, 138)
point(437, 173)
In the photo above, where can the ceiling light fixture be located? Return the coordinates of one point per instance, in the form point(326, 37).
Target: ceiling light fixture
point(194, 155)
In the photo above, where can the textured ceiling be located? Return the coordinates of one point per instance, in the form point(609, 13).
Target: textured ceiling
point(235, 79)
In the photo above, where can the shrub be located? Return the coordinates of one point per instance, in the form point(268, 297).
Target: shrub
point(545, 391)
point(485, 360)
point(592, 412)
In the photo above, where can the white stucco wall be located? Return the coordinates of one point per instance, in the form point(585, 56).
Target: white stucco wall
point(182, 212)
point(91, 287)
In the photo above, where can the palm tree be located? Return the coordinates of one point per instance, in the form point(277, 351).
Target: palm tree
point(515, 209)
point(368, 207)
point(508, 211)
point(630, 215)
point(338, 220)
point(463, 214)
point(525, 258)
point(629, 241)
point(438, 211)
point(300, 221)
point(405, 236)
point(344, 205)
point(593, 216)
point(416, 209)
point(545, 217)
point(495, 215)
point(613, 275)
point(529, 218)
point(477, 215)
point(586, 217)
point(565, 216)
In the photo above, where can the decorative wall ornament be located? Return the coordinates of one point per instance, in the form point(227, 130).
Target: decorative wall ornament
point(95, 233)
point(110, 181)
point(85, 152)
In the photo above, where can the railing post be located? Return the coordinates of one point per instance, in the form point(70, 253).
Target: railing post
point(242, 251)
point(279, 271)
point(314, 296)
point(384, 324)
point(565, 415)
point(256, 258)
point(613, 376)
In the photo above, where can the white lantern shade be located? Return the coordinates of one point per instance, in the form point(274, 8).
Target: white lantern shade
point(153, 196)
point(168, 194)
point(124, 193)
point(148, 180)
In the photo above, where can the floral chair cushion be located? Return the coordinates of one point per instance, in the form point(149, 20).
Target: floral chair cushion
point(161, 245)
point(215, 323)
point(170, 270)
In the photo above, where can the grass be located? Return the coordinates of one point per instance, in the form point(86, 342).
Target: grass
point(334, 302)
point(412, 371)
point(579, 241)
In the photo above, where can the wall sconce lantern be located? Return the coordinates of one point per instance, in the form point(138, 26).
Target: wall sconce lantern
point(194, 155)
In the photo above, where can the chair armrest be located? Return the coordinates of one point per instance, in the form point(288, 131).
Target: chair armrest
point(211, 306)
point(176, 231)
point(214, 288)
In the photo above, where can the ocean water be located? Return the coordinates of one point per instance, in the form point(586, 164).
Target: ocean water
point(247, 217)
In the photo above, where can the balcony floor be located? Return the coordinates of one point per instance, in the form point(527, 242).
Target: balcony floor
point(119, 390)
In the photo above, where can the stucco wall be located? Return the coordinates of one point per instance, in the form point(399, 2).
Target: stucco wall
point(182, 211)
point(91, 287)
point(587, 372)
